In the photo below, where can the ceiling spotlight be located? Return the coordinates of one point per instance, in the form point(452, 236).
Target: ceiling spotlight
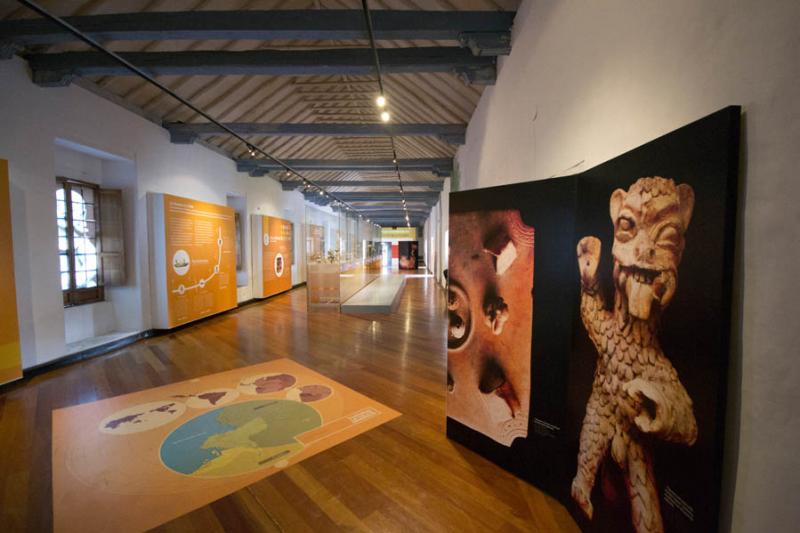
point(380, 101)
point(322, 193)
point(394, 161)
point(385, 116)
point(252, 151)
point(288, 173)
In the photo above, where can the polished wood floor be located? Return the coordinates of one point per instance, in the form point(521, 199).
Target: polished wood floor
point(402, 476)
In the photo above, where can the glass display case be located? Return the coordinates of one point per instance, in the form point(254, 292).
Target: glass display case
point(342, 254)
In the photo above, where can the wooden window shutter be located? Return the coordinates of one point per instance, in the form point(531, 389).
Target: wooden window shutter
point(112, 237)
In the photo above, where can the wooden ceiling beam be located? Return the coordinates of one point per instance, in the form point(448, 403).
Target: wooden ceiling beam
point(60, 69)
point(435, 185)
point(487, 32)
point(441, 167)
point(189, 133)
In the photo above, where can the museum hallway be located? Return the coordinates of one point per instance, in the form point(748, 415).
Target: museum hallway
point(408, 266)
point(404, 475)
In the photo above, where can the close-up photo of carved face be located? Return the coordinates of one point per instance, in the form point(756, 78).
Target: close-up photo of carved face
point(490, 310)
point(650, 220)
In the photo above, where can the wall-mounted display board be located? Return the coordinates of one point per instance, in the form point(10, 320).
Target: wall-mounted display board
point(409, 255)
point(193, 259)
point(589, 326)
point(10, 356)
point(272, 255)
point(401, 233)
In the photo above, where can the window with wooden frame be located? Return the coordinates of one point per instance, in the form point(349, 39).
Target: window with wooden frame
point(90, 240)
point(77, 212)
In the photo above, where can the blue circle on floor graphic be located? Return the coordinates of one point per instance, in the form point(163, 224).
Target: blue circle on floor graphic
point(239, 438)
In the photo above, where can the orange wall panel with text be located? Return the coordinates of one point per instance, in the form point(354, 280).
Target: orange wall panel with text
point(200, 245)
point(276, 255)
point(10, 357)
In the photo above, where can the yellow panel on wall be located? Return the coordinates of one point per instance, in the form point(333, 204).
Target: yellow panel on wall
point(201, 259)
point(399, 233)
point(10, 355)
point(276, 255)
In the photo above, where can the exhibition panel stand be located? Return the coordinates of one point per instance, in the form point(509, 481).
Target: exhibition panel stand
point(272, 243)
point(193, 259)
point(10, 355)
point(589, 329)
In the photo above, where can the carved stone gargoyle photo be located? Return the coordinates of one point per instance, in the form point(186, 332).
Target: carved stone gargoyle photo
point(636, 394)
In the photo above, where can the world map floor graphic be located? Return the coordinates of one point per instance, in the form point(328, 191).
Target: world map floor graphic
point(133, 462)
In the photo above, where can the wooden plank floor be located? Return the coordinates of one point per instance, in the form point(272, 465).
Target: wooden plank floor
point(402, 476)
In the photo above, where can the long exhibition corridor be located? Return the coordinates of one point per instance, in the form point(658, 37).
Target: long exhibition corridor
point(402, 476)
point(399, 266)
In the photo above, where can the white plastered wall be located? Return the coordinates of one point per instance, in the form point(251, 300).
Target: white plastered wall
point(32, 119)
point(587, 81)
point(435, 232)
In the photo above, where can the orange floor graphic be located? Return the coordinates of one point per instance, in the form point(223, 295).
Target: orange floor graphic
point(133, 462)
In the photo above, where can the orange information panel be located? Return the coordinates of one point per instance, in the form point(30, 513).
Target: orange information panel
point(276, 255)
point(200, 250)
point(10, 355)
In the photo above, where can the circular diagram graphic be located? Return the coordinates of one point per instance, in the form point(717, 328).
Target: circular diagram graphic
point(181, 262)
point(142, 417)
point(238, 439)
point(279, 264)
point(266, 383)
point(212, 398)
point(266, 239)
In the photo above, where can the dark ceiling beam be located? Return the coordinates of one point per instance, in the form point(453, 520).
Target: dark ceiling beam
point(396, 220)
point(484, 32)
point(412, 197)
point(388, 208)
point(441, 167)
point(188, 133)
point(435, 185)
point(420, 210)
point(398, 223)
point(393, 214)
point(60, 69)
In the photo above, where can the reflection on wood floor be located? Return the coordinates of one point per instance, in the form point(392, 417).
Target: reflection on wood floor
point(402, 476)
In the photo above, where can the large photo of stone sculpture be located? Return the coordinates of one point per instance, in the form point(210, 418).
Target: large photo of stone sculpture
point(653, 262)
point(637, 394)
point(490, 309)
point(611, 396)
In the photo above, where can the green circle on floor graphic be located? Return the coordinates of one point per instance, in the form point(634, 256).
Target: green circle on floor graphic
point(239, 438)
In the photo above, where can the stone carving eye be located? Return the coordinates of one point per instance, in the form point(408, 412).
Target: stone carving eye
point(459, 320)
point(626, 228)
point(669, 238)
point(626, 224)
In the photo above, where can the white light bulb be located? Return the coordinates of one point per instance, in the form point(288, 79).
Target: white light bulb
point(385, 116)
point(380, 101)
